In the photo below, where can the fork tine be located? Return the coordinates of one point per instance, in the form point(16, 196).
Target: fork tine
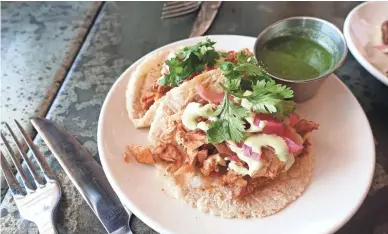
point(27, 183)
point(178, 7)
point(10, 178)
point(172, 3)
point(42, 162)
point(30, 166)
point(166, 15)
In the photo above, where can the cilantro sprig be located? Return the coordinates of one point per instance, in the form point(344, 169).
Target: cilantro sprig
point(265, 95)
point(189, 60)
point(243, 74)
point(229, 125)
point(271, 98)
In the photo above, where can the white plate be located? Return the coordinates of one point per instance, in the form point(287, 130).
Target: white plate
point(362, 31)
point(344, 165)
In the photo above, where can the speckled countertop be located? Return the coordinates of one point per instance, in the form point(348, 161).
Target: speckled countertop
point(120, 36)
point(39, 41)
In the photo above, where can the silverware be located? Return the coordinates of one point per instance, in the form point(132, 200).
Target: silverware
point(86, 174)
point(39, 199)
point(319, 30)
point(205, 18)
point(178, 8)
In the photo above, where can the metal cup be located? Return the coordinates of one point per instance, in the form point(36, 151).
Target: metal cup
point(318, 30)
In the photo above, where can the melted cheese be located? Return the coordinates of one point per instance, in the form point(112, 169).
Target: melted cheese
point(203, 126)
point(245, 103)
point(276, 142)
point(253, 127)
point(240, 170)
point(256, 142)
point(220, 160)
point(253, 165)
point(193, 111)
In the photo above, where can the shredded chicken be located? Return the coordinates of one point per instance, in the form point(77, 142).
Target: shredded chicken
point(126, 157)
point(236, 182)
point(272, 166)
point(201, 119)
point(224, 150)
point(196, 135)
point(231, 57)
point(161, 91)
point(209, 147)
point(201, 156)
point(242, 186)
point(147, 100)
point(303, 127)
point(232, 178)
point(210, 165)
point(187, 136)
point(169, 153)
point(142, 154)
point(183, 170)
point(304, 151)
point(247, 52)
point(191, 141)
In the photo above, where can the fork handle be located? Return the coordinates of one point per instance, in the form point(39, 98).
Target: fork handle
point(46, 226)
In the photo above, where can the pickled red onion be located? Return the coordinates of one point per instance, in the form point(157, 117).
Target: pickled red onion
point(247, 150)
point(209, 95)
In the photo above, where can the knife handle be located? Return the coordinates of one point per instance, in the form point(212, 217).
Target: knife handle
point(205, 17)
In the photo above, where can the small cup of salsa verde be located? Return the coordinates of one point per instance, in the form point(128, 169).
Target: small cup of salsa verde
point(301, 52)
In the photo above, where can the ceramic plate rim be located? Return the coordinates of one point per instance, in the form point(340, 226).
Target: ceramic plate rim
point(160, 228)
point(356, 53)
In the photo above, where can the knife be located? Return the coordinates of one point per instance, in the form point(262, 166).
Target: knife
point(86, 174)
point(205, 17)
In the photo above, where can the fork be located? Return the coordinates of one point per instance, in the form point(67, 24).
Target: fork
point(178, 8)
point(40, 197)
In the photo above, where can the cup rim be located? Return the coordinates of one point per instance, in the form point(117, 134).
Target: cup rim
point(324, 75)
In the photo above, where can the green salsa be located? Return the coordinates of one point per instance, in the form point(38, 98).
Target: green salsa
point(294, 58)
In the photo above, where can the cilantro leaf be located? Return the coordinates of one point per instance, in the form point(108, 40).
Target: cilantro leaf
point(284, 108)
point(242, 57)
point(190, 60)
point(269, 97)
point(216, 133)
point(270, 86)
point(243, 74)
point(229, 125)
point(250, 69)
point(266, 97)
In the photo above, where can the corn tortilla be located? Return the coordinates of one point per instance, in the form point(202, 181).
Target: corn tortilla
point(206, 193)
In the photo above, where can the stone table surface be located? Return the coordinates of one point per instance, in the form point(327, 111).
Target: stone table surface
point(121, 35)
point(39, 41)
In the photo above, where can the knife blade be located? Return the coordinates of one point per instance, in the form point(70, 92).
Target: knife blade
point(205, 17)
point(86, 174)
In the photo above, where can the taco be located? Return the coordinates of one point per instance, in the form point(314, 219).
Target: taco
point(230, 142)
point(162, 71)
